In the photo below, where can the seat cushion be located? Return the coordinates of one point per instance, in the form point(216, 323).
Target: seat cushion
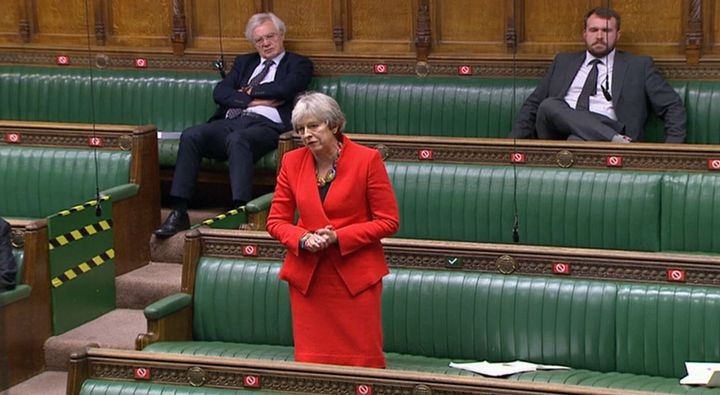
point(168, 149)
point(613, 380)
point(103, 387)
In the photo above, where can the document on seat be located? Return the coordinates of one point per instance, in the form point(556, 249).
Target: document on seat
point(499, 369)
point(702, 373)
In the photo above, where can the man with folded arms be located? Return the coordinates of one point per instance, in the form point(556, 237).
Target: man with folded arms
point(255, 102)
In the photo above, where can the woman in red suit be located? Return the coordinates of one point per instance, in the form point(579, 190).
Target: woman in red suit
point(335, 261)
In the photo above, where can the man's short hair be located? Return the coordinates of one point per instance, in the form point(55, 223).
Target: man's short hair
point(258, 19)
point(604, 13)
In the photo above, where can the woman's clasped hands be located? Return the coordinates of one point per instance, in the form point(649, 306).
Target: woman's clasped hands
point(320, 239)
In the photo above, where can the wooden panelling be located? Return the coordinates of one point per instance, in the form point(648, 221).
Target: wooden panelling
point(309, 25)
point(10, 16)
point(62, 22)
point(711, 22)
point(447, 33)
point(204, 21)
point(459, 26)
point(658, 34)
point(551, 26)
point(140, 23)
point(381, 27)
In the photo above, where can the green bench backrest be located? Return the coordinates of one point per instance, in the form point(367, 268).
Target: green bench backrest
point(170, 100)
point(605, 326)
point(43, 180)
point(702, 102)
point(558, 207)
point(690, 219)
point(427, 106)
point(18, 255)
point(241, 301)
point(404, 105)
point(478, 316)
point(106, 387)
point(660, 327)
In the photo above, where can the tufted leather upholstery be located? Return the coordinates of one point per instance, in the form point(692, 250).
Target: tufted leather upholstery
point(242, 302)
point(430, 106)
point(101, 387)
point(46, 180)
point(169, 100)
point(561, 207)
point(690, 219)
point(619, 335)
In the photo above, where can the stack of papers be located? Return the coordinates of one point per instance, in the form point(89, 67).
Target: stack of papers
point(499, 369)
point(702, 373)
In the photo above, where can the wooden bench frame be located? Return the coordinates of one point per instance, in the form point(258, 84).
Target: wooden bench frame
point(134, 218)
point(581, 263)
point(27, 322)
point(542, 153)
point(291, 377)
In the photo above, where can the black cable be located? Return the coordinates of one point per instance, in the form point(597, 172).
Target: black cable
point(605, 87)
point(516, 218)
point(98, 208)
point(219, 64)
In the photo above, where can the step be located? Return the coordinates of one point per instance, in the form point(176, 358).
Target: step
point(143, 286)
point(45, 383)
point(170, 250)
point(116, 329)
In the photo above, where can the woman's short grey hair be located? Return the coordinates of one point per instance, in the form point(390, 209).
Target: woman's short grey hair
point(258, 19)
point(320, 106)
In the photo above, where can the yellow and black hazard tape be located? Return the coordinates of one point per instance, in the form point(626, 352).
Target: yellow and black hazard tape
point(78, 234)
point(82, 207)
point(224, 215)
point(84, 267)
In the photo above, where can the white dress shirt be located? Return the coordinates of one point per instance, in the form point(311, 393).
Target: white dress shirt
point(598, 103)
point(267, 111)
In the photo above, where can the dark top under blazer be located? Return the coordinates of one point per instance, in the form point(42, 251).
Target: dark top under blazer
point(292, 77)
point(636, 87)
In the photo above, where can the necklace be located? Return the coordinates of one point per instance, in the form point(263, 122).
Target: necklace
point(330, 175)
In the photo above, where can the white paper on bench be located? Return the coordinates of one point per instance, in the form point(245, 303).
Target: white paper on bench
point(702, 373)
point(499, 369)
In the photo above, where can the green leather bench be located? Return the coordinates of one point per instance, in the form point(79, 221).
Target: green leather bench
point(27, 308)
point(636, 211)
point(612, 334)
point(104, 387)
point(170, 100)
point(478, 107)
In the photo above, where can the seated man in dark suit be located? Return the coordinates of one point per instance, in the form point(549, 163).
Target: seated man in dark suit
point(600, 94)
point(8, 267)
point(255, 103)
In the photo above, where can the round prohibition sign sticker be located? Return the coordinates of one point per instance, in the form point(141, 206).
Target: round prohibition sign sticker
point(363, 389)
point(249, 250)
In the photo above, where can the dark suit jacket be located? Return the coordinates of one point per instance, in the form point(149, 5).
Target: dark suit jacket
point(291, 78)
point(360, 205)
point(8, 267)
point(637, 86)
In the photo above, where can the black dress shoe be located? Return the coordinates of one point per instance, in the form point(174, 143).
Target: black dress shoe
point(174, 223)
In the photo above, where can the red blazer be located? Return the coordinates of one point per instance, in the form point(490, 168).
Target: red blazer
point(360, 205)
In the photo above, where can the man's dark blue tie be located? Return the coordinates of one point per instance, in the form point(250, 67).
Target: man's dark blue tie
point(254, 81)
point(590, 87)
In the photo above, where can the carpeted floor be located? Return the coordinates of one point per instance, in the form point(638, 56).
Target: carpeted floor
point(46, 383)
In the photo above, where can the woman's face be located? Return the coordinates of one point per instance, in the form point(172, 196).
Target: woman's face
point(317, 136)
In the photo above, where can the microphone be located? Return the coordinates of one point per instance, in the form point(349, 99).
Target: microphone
point(516, 229)
point(219, 65)
point(606, 89)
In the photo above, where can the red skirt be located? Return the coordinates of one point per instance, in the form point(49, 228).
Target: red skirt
point(332, 327)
